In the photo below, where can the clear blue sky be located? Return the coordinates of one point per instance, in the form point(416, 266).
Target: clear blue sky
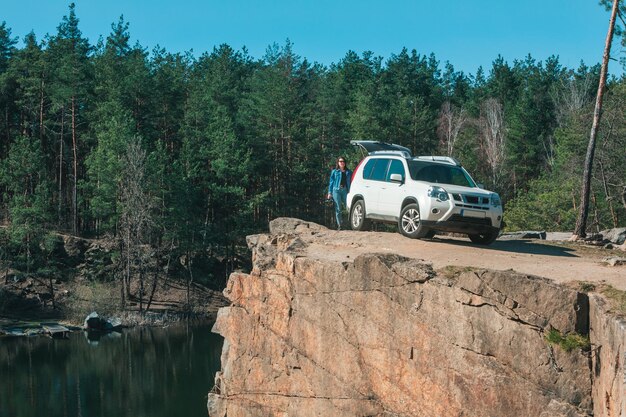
point(468, 33)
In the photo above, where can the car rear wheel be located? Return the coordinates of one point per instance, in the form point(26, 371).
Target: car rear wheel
point(484, 238)
point(357, 216)
point(410, 222)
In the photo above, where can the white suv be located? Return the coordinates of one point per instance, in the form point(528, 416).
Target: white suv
point(423, 195)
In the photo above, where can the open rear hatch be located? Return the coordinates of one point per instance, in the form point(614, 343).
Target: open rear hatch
point(374, 146)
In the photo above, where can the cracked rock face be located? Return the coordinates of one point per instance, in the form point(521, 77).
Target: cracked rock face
point(385, 335)
point(608, 334)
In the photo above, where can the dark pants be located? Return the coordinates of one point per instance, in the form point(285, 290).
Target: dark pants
point(340, 197)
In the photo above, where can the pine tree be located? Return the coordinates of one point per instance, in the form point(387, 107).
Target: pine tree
point(531, 121)
point(271, 109)
point(31, 76)
point(410, 101)
point(7, 86)
point(114, 130)
point(68, 53)
point(23, 176)
point(169, 81)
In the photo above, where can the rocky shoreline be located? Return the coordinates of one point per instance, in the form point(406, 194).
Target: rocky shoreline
point(15, 327)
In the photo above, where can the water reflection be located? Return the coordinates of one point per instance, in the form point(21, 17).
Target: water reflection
point(140, 372)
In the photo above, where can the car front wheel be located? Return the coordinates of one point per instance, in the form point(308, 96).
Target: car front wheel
point(410, 222)
point(484, 238)
point(357, 216)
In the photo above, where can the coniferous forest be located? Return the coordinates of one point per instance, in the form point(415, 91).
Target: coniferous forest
point(180, 153)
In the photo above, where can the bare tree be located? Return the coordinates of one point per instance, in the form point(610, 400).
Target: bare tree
point(571, 96)
point(136, 219)
point(583, 210)
point(493, 134)
point(549, 150)
point(451, 121)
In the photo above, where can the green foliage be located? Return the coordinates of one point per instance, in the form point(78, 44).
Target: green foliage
point(569, 341)
point(550, 202)
point(105, 166)
point(547, 205)
point(620, 28)
point(23, 176)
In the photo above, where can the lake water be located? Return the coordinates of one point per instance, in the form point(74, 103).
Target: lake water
point(151, 372)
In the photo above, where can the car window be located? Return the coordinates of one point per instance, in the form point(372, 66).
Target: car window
point(396, 167)
point(380, 170)
point(457, 177)
point(439, 173)
point(369, 166)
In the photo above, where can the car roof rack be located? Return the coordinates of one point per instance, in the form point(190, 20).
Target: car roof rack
point(444, 159)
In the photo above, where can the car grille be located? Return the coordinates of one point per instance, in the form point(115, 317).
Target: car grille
point(459, 218)
point(471, 201)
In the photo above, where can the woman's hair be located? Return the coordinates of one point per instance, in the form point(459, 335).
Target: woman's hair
point(345, 165)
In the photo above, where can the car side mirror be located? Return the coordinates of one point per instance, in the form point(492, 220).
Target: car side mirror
point(480, 185)
point(396, 178)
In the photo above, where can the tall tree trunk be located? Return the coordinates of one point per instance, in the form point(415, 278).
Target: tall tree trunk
point(51, 288)
point(61, 166)
point(141, 286)
point(128, 261)
point(6, 121)
point(28, 253)
point(41, 107)
point(581, 220)
point(75, 169)
point(123, 294)
point(189, 280)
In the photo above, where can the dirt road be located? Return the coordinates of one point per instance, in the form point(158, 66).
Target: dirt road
point(559, 260)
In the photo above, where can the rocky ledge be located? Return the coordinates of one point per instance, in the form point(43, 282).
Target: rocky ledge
point(387, 335)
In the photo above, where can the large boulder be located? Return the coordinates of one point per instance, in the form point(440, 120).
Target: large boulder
point(616, 236)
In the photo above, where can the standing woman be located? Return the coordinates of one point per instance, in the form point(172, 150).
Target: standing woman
point(338, 187)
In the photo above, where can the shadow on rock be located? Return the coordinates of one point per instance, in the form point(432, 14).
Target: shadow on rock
point(516, 246)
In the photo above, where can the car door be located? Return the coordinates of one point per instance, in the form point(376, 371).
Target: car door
point(392, 193)
point(374, 174)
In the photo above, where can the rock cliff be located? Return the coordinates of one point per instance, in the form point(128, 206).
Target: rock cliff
point(387, 335)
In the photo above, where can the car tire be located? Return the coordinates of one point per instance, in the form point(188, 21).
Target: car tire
point(410, 224)
point(484, 238)
point(358, 221)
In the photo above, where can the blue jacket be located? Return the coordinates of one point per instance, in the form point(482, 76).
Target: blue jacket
point(335, 180)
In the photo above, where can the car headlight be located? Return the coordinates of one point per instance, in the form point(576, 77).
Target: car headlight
point(495, 200)
point(438, 193)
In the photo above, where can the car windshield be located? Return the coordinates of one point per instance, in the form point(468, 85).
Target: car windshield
point(439, 173)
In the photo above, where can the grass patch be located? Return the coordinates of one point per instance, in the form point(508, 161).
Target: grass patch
point(586, 286)
point(453, 271)
point(569, 341)
point(616, 297)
